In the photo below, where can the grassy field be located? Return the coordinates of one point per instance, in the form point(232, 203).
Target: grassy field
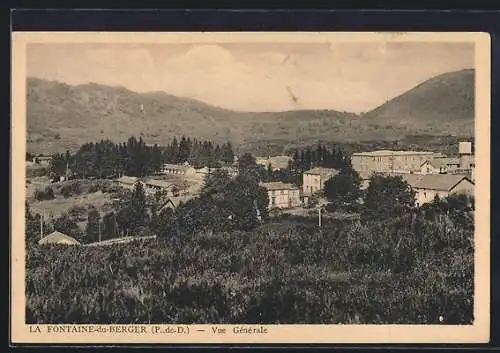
point(60, 204)
point(101, 201)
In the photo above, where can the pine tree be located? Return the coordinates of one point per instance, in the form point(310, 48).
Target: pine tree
point(174, 150)
point(92, 228)
point(308, 159)
point(138, 208)
point(319, 155)
point(184, 150)
point(109, 229)
point(270, 173)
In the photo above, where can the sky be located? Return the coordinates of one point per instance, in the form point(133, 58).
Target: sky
point(353, 77)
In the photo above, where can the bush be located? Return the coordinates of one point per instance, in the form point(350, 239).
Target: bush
point(78, 213)
point(71, 188)
point(46, 194)
point(36, 172)
point(103, 185)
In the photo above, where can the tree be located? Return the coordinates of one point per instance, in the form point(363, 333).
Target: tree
point(388, 197)
point(319, 155)
point(46, 194)
point(343, 188)
point(32, 233)
point(57, 166)
point(67, 225)
point(246, 200)
point(109, 223)
point(248, 167)
point(163, 224)
point(132, 215)
point(246, 161)
point(269, 172)
point(459, 207)
point(227, 154)
point(92, 228)
point(215, 181)
point(184, 150)
point(138, 207)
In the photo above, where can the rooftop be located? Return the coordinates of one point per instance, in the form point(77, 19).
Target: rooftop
point(279, 185)
point(127, 179)
point(391, 153)
point(323, 172)
point(177, 166)
point(281, 158)
point(159, 183)
point(58, 238)
point(432, 162)
point(441, 182)
point(447, 160)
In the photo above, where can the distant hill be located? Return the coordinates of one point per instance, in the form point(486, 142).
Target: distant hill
point(445, 101)
point(62, 116)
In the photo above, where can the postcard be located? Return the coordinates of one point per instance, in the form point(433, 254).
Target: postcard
point(301, 187)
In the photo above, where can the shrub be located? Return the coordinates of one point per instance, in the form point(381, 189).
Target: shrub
point(78, 213)
point(70, 188)
point(46, 194)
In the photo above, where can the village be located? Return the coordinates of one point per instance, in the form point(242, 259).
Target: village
point(321, 181)
point(429, 175)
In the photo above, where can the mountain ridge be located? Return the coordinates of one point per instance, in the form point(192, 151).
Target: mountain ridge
point(62, 116)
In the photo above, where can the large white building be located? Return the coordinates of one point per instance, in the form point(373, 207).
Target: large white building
point(366, 163)
point(386, 161)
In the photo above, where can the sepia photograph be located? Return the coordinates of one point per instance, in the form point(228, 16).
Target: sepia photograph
point(251, 182)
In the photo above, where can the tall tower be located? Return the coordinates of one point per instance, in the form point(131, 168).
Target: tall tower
point(465, 154)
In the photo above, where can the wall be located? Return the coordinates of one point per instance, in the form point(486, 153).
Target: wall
point(466, 160)
point(464, 186)
point(365, 165)
point(427, 168)
point(427, 195)
point(284, 198)
point(311, 183)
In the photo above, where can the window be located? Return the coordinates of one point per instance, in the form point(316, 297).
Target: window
point(273, 200)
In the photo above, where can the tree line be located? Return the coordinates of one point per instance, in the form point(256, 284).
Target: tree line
point(321, 156)
point(106, 159)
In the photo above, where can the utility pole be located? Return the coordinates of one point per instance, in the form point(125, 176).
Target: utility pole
point(319, 216)
point(41, 226)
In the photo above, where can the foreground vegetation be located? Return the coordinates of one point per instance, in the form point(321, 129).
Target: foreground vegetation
point(412, 269)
